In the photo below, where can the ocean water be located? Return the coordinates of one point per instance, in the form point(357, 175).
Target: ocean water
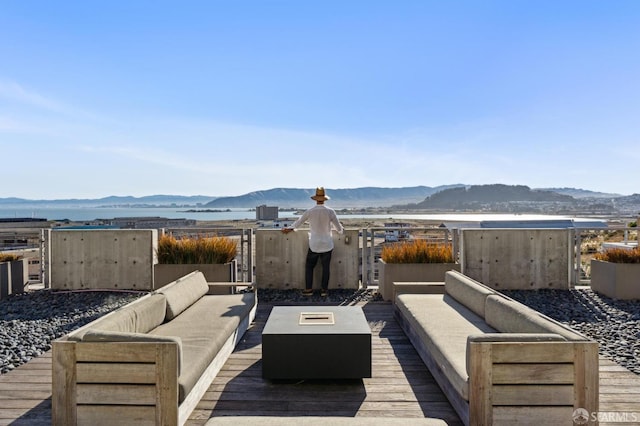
point(78, 214)
point(91, 213)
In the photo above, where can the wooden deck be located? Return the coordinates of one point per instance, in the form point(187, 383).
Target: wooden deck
point(401, 385)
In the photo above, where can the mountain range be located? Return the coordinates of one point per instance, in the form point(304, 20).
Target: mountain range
point(455, 197)
point(340, 198)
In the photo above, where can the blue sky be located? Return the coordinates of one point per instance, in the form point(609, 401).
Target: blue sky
point(222, 98)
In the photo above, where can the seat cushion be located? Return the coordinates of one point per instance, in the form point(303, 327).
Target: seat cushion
point(427, 314)
point(204, 328)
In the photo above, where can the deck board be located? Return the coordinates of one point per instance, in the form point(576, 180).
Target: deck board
point(401, 385)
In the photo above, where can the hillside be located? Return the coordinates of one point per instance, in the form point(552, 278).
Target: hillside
point(495, 197)
point(580, 193)
point(114, 201)
point(340, 198)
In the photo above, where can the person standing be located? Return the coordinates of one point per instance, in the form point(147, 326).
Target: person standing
point(322, 220)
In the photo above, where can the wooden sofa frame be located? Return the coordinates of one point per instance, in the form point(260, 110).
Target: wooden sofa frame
point(107, 383)
point(543, 381)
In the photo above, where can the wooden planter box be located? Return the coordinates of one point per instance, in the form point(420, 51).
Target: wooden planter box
point(388, 273)
point(5, 280)
point(13, 277)
point(616, 280)
point(213, 272)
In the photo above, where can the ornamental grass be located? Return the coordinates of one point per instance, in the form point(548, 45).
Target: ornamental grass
point(417, 251)
point(619, 255)
point(8, 257)
point(198, 250)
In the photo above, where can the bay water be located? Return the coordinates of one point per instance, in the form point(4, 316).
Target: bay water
point(79, 214)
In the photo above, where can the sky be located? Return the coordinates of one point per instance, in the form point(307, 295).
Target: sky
point(222, 98)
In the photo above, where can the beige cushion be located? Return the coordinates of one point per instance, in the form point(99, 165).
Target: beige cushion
point(183, 292)
point(509, 316)
point(467, 291)
point(443, 325)
point(204, 328)
point(112, 336)
point(139, 316)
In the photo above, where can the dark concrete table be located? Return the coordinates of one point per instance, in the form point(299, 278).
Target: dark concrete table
point(316, 342)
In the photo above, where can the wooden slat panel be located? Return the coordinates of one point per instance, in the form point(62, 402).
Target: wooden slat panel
point(116, 394)
point(533, 395)
point(534, 416)
point(117, 352)
point(166, 391)
point(99, 415)
point(115, 373)
point(527, 352)
point(533, 373)
point(63, 383)
point(587, 387)
point(480, 385)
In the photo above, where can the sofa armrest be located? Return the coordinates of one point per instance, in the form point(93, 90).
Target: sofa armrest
point(114, 336)
point(119, 381)
point(227, 287)
point(551, 377)
point(417, 287)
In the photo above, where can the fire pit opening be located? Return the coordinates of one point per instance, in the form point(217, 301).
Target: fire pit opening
point(316, 318)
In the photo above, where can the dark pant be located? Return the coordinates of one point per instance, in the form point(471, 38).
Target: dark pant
point(312, 260)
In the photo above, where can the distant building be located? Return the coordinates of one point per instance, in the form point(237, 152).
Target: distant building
point(21, 232)
point(277, 223)
point(265, 212)
point(153, 222)
point(24, 222)
point(395, 231)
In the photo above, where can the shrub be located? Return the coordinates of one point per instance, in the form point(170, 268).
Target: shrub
point(7, 257)
point(198, 250)
point(417, 251)
point(619, 255)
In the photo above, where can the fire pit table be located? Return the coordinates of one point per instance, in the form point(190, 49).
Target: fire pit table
point(316, 342)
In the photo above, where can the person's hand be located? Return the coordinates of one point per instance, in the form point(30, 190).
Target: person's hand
point(286, 230)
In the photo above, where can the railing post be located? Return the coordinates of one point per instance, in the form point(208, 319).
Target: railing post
point(363, 258)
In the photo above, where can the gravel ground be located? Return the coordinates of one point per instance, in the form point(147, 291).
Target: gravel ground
point(613, 323)
point(29, 322)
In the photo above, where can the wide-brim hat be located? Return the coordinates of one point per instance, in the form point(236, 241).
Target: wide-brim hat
point(320, 195)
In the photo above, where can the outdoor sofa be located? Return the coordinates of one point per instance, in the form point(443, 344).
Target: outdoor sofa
point(498, 361)
point(151, 361)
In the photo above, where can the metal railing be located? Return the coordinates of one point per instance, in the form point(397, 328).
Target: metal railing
point(587, 242)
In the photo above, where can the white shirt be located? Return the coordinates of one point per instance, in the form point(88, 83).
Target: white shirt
point(320, 219)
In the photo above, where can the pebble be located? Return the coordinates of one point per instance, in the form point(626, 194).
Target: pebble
point(615, 324)
point(29, 322)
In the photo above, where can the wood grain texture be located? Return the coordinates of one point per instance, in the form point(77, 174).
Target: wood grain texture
point(401, 385)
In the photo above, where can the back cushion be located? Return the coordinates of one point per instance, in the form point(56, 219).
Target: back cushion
point(139, 316)
point(510, 316)
point(467, 291)
point(183, 292)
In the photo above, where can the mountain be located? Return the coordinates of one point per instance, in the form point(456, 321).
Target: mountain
point(580, 193)
point(495, 197)
point(629, 204)
point(115, 201)
point(340, 198)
